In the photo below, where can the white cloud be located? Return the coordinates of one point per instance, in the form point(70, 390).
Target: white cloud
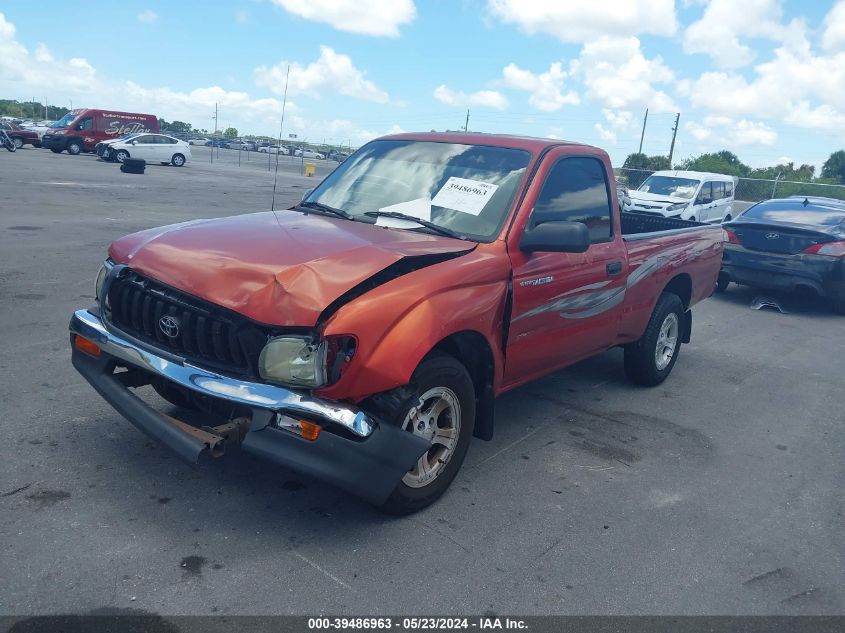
point(719, 31)
point(727, 132)
point(365, 17)
point(797, 87)
point(833, 37)
point(242, 17)
point(332, 71)
point(572, 21)
point(546, 88)
point(608, 136)
point(618, 119)
point(618, 75)
point(148, 17)
point(484, 98)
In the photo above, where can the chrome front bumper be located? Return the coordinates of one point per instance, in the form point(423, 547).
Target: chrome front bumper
point(203, 381)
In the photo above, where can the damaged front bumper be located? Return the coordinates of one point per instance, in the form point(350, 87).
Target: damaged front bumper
point(355, 453)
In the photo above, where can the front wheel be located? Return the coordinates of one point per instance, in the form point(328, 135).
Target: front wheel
point(178, 160)
point(9, 145)
point(74, 148)
point(442, 410)
point(650, 360)
point(121, 155)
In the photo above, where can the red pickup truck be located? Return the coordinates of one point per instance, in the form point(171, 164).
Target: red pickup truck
point(362, 336)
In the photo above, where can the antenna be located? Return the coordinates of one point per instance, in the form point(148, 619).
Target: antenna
point(281, 124)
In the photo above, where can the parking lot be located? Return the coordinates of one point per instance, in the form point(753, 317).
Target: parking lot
point(719, 492)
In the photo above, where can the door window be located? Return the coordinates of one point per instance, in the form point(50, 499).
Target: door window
point(85, 124)
point(718, 190)
point(705, 196)
point(144, 140)
point(576, 190)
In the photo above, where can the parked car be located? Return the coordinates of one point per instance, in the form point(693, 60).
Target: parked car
point(198, 141)
point(153, 148)
point(272, 149)
point(217, 142)
point(376, 379)
point(311, 154)
point(795, 243)
point(689, 195)
point(338, 156)
point(19, 135)
point(80, 130)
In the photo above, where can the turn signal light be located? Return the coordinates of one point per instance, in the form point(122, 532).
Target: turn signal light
point(730, 237)
point(84, 345)
point(309, 430)
point(303, 428)
point(834, 249)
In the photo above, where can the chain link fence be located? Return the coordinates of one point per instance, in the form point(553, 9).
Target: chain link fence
point(750, 189)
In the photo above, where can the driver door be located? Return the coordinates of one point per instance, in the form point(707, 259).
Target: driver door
point(566, 306)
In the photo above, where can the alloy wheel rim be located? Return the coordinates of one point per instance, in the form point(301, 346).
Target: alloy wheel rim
point(667, 341)
point(437, 418)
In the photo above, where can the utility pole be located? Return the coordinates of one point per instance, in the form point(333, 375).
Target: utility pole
point(674, 134)
point(466, 125)
point(214, 137)
point(642, 136)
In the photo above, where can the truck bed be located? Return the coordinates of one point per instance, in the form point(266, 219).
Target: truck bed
point(638, 223)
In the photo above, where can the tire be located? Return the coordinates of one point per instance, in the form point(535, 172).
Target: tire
point(10, 146)
point(650, 360)
point(723, 282)
point(55, 150)
point(74, 148)
point(18, 141)
point(440, 380)
point(120, 155)
point(178, 160)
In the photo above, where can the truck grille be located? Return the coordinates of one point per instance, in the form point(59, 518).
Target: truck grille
point(203, 334)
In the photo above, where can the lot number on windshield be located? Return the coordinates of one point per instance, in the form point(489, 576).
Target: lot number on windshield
point(462, 194)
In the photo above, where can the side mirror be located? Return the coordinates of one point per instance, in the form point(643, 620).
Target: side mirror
point(556, 237)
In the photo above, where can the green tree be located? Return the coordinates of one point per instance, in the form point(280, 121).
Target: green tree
point(723, 162)
point(641, 161)
point(834, 167)
point(231, 132)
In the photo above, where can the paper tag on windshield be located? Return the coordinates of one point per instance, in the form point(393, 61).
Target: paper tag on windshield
point(419, 208)
point(464, 195)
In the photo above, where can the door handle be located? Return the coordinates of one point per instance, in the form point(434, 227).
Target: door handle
point(614, 268)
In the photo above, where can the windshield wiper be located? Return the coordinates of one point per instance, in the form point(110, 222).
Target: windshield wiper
point(319, 206)
point(429, 225)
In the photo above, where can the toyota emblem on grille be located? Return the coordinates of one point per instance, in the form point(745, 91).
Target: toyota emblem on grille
point(169, 325)
point(772, 236)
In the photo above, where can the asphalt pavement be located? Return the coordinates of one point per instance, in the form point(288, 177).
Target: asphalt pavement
point(719, 492)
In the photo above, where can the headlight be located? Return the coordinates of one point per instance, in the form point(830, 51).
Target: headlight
point(58, 133)
point(101, 279)
point(678, 206)
point(294, 361)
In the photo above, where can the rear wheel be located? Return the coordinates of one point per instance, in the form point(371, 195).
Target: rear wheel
point(178, 160)
point(74, 148)
point(18, 141)
point(442, 410)
point(650, 360)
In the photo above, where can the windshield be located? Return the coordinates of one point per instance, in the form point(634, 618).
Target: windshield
point(65, 121)
point(670, 186)
point(465, 188)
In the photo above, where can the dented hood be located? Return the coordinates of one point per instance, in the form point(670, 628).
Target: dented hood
point(279, 268)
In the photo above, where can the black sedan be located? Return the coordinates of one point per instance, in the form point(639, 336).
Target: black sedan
point(793, 243)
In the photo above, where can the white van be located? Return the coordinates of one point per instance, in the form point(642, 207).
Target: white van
point(689, 195)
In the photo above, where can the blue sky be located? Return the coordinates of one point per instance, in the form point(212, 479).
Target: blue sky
point(762, 78)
